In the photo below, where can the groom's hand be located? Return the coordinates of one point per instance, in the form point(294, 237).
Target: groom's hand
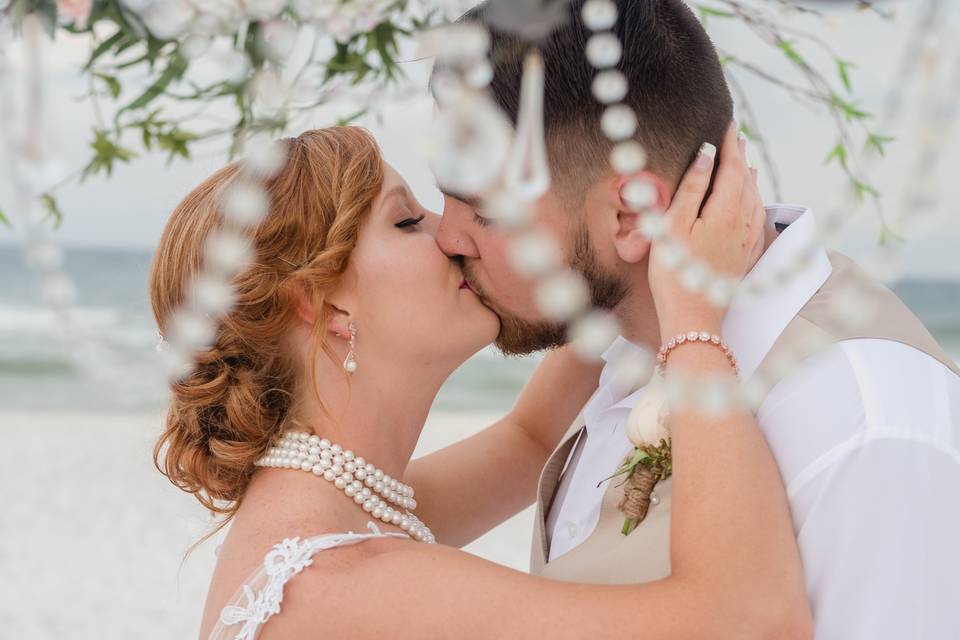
point(721, 239)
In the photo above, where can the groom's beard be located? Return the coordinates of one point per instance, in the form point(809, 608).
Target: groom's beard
point(519, 337)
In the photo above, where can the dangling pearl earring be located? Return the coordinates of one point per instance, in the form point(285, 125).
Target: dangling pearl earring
point(350, 364)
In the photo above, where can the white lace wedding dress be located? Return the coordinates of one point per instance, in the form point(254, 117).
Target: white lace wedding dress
point(261, 594)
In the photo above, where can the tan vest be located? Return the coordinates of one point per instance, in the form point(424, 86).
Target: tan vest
point(609, 557)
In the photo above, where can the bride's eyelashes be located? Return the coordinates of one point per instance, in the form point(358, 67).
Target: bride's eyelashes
point(409, 223)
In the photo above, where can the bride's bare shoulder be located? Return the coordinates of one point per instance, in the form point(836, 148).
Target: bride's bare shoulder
point(397, 588)
point(344, 585)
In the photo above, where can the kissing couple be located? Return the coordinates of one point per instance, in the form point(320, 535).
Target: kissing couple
point(826, 506)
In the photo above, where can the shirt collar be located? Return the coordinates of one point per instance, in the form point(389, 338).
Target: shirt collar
point(752, 323)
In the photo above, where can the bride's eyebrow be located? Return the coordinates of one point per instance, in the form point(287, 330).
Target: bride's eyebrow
point(398, 191)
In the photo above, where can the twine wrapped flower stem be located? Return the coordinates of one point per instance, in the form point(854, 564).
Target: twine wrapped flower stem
point(650, 460)
point(648, 465)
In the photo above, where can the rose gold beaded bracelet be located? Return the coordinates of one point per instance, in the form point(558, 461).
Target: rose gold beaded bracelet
point(694, 336)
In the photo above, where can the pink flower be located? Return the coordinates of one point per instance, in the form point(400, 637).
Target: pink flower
point(77, 11)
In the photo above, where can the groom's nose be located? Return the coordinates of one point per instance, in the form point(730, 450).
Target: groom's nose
point(453, 234)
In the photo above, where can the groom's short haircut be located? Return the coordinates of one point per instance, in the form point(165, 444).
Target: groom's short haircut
point(676, 87)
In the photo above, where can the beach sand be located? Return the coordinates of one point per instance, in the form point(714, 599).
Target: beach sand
point(92, 535)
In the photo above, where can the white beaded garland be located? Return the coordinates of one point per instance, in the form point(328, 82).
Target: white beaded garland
point(603, 50)
point(618, 122)
point(639, 194)
point(628, 157)
point(609, 86)
point(599, 14)
point(353, 475)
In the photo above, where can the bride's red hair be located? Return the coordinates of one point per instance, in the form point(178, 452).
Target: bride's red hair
point(236, 400)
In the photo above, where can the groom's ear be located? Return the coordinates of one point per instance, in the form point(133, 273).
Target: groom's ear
point(623, 195)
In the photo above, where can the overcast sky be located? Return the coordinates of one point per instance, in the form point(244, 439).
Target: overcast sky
point(129, 209)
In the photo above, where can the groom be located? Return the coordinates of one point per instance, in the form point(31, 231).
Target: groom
point(865, 425)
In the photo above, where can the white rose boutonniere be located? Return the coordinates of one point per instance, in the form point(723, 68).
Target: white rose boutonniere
point(650, 461)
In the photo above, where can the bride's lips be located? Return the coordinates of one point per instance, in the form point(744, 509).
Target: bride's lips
point(466, 285)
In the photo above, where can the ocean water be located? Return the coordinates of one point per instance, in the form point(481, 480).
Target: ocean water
point(113, 365)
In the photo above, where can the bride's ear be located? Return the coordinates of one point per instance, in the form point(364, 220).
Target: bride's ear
point(629, 198)
point(338, 319)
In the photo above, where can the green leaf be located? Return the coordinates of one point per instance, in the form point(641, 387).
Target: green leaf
point(843, 67)
point(850, 111)
point(887, 235)
point(707, 12)
point(175, 141)
point(173, 71)
point(839, 152)
point(4, 220)
point(53, 209)
point(105, 153)
point(877, 141)
point(861, 188)
point(639, 455)
point(112, 84)
point(103, 47)
point(788, 49)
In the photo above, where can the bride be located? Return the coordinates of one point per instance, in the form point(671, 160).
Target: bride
point(298, 425)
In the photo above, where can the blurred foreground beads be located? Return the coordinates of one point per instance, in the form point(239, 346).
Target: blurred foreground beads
point(265, 157)
point(534, 254)
point(653, 225)
point(227, 251)
point(598, 15)
point(526, 170)
point(609, 86)
point(618, 122)
point(455, 44)
point(509, 209)
point(628, 157)
point(211, 294)
point(562, 295)
point(593, 334)
point(603, 50)
point(471, 138)
point(245, 203)
point(639, 194)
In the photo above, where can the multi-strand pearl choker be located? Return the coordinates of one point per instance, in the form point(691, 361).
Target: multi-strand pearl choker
point(360, 480)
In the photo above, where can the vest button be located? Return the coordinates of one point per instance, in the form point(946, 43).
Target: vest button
point(572, 529)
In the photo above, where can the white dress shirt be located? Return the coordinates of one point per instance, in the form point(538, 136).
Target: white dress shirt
point(867, 438)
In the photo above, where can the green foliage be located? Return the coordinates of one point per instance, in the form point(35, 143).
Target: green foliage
point(113, 85)
point(4, 220)
point(174, 70)
point(53, 209)
point(124, 47)
point(706, 12)
point(889, 236)
point(105, 153)
point(843, 70)
point(847, 108)
point(839, 152)
point(788, 49)
point(877, 141)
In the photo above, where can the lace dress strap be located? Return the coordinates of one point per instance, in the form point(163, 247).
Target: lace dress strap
point(260, 596)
